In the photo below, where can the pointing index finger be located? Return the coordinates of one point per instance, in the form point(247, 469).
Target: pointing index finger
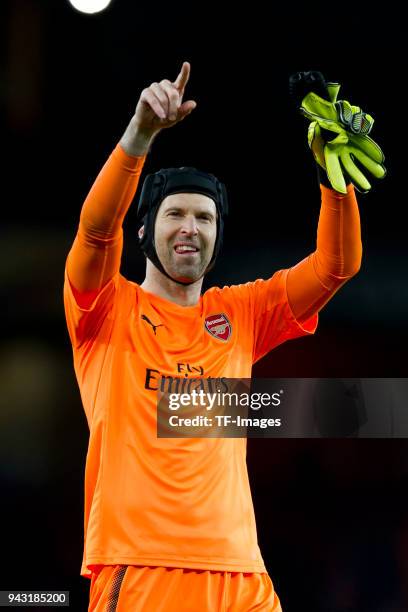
point(183, 77)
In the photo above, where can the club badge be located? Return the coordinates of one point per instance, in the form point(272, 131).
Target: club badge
point(218, 326)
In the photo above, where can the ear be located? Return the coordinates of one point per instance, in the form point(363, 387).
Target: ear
point(141, 232)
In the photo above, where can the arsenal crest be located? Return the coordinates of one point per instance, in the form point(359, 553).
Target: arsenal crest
point(218, 326)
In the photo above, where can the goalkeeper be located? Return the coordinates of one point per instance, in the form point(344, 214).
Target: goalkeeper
point(169, 523)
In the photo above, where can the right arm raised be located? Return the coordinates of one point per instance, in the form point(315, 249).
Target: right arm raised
point(96, 252)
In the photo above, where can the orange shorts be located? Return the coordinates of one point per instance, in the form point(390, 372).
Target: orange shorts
point(129, 588)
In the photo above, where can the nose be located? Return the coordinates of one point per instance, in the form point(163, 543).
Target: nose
point(189, 226)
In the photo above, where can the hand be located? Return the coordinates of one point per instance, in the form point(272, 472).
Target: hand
point(337, 157)
point(160, 105)
point(338, 132)
point(336, 115)
point(337, 152)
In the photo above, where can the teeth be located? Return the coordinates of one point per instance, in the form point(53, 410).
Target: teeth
point(185, 248)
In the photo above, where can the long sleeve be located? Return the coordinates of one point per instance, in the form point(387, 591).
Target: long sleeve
point(97, 249)
point(312, 282)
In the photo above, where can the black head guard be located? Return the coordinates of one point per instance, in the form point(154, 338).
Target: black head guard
point(167, 181)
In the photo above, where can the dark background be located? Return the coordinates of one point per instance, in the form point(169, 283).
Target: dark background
point(332, 514)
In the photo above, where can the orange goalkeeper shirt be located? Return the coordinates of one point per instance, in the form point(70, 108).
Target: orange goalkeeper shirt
point(156, 501)
point(169, 502)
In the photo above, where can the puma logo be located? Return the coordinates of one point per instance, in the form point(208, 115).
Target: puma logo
point(150, 323)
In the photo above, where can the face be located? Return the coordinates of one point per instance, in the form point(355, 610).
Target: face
point(185, 233)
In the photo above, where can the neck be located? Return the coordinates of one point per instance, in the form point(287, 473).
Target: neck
point(158, 284)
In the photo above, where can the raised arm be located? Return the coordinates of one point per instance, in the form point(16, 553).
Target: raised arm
point(313, 281)
point(96, 252)
point(337, 137)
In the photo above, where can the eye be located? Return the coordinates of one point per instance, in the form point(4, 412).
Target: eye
point(174, 213)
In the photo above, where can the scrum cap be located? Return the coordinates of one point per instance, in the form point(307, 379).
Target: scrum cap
point(168, 181)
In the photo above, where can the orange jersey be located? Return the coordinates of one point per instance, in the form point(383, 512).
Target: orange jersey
point(152, 501)
point(168, 502)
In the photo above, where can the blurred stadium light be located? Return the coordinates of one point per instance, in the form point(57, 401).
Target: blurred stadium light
point(90, 6)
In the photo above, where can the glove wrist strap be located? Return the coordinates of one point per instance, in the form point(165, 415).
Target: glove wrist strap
point(323, 178)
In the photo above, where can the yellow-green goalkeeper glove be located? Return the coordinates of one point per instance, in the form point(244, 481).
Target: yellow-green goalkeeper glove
point(351, 125)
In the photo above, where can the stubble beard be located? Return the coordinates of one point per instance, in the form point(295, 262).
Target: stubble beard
point(192, 269)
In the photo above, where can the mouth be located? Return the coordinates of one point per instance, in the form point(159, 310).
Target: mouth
point(186, 249)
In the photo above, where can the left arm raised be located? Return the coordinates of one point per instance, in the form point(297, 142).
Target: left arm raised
point(313, 281)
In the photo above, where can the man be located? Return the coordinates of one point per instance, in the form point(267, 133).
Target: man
point(169, 523)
